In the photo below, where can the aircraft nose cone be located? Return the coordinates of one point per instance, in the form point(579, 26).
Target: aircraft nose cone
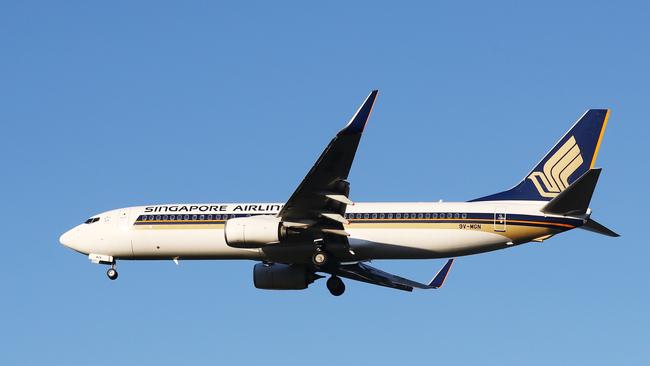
point(66, 239)
point(73, 240)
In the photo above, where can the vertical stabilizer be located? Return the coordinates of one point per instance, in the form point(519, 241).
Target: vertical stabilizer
point(568, 160)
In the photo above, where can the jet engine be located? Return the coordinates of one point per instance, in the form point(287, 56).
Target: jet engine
point(278, 276)
point(253, 231)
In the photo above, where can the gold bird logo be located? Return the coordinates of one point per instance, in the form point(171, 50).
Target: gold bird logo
point(557, 170)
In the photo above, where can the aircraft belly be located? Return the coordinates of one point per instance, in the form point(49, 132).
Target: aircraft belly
point(401, 243)
point(203, 243)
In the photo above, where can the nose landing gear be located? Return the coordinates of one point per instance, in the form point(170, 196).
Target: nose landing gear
point(112, 272)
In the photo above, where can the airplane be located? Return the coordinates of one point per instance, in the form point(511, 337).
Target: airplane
point(320, 231)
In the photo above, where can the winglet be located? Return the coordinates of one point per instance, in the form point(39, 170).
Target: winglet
point(439, 279)
point(358, 122)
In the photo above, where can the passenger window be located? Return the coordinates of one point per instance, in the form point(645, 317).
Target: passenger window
point(413, 216)
point(398, 216)
point(218, 217)
point(172, 217)
point(157, 217)
point(365, 216)
point(427, 215)
point(456, 216)
point(374, 216)
point(202, 217)
point(420, 216)
point(194, 217)
point(434, 215)
point(464, 215)
point(381, 215)
point(164, 217)
point(209, 217)
point(449, 215)
point(225, 217)
point(390, 215)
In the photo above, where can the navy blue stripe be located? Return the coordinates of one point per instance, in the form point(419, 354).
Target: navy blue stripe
point(473, 218)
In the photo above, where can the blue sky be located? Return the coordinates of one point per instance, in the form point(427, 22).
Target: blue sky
point(120, 103)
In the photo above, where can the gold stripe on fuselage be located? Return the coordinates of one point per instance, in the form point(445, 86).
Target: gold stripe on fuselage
point(515, 230)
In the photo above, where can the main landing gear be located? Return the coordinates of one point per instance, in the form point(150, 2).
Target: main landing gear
point(335, 285)
point(112, 272)
point(320, 256)
point(320, 259)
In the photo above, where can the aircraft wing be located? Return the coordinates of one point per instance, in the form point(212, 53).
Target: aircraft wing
point(320, 200)
point(365, 273)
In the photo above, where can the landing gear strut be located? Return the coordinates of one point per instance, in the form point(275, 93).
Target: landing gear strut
point(112, 272)
point(336, 286)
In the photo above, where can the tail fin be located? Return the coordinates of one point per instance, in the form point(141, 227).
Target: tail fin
point(568, 160)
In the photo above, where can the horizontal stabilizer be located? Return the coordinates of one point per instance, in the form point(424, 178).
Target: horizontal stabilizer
point(574, 200)
point(594, 226)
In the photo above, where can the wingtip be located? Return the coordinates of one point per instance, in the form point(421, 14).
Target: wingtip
point(441, 276)
point(360, 118)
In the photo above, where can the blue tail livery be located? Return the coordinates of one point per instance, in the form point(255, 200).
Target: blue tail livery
point(568, 160)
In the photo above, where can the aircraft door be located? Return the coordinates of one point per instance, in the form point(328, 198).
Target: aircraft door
point(123, 220)
point(500, 219)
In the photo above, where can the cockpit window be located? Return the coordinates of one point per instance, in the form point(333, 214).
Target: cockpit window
point(91, 220)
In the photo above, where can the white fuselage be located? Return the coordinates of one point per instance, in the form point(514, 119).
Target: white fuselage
point(377, 230)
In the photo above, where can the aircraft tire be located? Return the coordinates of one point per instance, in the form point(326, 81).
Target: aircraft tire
point(112, 274)
point(319, 258)
point(336, 286)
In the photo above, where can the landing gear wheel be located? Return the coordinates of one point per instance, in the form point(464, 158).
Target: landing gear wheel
point(112, 273)
point(336, 286)
point(319, 258)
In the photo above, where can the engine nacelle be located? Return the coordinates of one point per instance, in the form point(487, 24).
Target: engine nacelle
point(278, 276)
point(253, 231)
